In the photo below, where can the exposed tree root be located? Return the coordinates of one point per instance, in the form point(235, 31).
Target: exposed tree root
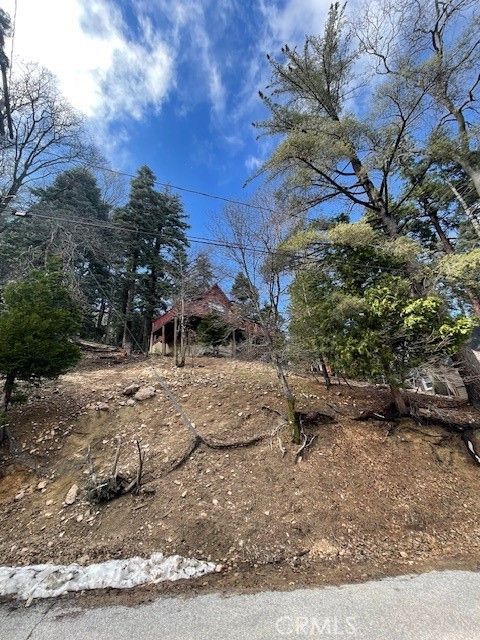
point(198, 440)
point(429, 416)
point(306, 442)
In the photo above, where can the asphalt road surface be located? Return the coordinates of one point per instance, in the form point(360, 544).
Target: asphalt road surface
point(433, 606)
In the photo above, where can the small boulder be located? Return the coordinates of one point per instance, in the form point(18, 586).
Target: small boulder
point(144, 393)
point(72, 494)
point(102, 406)
point(131, 390)
point(41, 485)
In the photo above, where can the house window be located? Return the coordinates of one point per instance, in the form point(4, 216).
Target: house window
point(214, 306)
point(427, 384)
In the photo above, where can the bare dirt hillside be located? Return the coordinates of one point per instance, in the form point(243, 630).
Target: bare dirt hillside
point(362, 502)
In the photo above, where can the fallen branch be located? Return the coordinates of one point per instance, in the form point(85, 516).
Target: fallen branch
point(199, 440)
point(106, 488)
point(307, 442)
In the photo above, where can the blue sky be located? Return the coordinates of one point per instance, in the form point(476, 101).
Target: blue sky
point(168, 83)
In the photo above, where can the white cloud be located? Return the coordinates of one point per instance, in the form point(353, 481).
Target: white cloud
point(290, 23)
point(101, 72)
point(252, 163)
point(192, 33)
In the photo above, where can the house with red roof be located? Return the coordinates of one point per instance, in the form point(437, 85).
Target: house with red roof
point(166, 329)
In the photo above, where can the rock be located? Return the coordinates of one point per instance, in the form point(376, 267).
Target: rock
point(48, 514)
point(144, 393)
point(131, 390)
point(130, 402)
point(102, 406)
point(41, 485)
point(83, 559)
point(215, 502)
point(403, 554)
point(48, 503)
point(20, 495)
point(80, 517)
point(72, 494)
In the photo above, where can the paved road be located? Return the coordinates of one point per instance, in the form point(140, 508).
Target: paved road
point(436, 606)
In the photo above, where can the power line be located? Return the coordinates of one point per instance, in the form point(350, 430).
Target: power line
point(115, 227)
point(168, 185)
point(209, 241)
point(467, 190)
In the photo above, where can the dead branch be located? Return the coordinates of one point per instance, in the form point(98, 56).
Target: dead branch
point(283, 450)
point(236, 444)
point(336, 410)
point(194, 444)
point(115, 462)
point(200, 440)
point(307, 442)
point(106, 488)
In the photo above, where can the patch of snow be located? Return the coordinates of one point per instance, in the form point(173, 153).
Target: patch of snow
point(50, 580)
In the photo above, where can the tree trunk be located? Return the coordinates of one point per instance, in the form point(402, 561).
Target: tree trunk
point(127, 342)
point(101, 314)
point(325, 374)
point(399, 400)
point(469, 369)
point(292, 414)
point(449, 249)
point(470, 211)
point(293, 420)
point(388, 223)
point(175, 346)
point(7, 390)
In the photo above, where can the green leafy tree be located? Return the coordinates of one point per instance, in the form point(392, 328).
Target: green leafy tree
point(357, 307)
point(38, 320)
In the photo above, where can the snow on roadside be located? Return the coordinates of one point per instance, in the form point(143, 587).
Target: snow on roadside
point(50, 580)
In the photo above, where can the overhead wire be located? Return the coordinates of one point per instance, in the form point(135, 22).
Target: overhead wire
point(300, 257)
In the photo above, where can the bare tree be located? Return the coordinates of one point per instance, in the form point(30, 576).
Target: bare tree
point(47, 134)
point(432, 47)
point(253, 244)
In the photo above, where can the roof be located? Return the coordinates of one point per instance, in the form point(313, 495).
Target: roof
point(214, 299)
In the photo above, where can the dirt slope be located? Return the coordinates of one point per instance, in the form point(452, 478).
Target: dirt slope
point(361, 503)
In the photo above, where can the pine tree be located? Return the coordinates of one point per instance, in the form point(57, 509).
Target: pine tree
point(147, 254)
point(246, 298)
point(38, 319)
point(85, 250)
point(202, 274)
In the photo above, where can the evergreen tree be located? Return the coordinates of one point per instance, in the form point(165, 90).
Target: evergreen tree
point(202, 274)
point(158, 229)
point(85, 250)
point(38, 319)
point(356, 305)
point(246, 297)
